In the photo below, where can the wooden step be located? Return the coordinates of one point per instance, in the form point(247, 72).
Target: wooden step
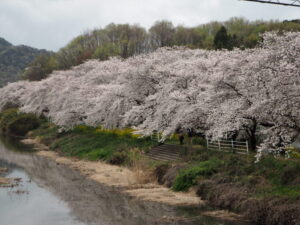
point(163, 156)
point(160, 159)
point(165, 152)
point(167, 148)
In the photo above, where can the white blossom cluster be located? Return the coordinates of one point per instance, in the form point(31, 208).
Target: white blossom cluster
point(217, 93)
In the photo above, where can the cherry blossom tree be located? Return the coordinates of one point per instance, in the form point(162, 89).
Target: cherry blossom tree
point(220, 94)
point(262, 92)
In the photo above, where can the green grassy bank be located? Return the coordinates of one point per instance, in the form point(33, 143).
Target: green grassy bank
point(267, 192)
point(91, 143)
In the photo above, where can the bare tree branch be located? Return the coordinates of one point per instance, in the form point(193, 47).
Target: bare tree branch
point(295, 3)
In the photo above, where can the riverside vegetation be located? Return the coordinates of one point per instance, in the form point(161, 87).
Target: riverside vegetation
point(266, 193)
point(250, 94)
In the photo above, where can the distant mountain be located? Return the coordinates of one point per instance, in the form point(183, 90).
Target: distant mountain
point(4, 44)
point(14, 59)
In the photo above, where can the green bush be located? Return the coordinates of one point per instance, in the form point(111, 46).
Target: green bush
point(6, 117)
point(22, 124)
point(199, 141)
point(278, 171)
point(188, 177)
point(14, 122)
point(235, 165)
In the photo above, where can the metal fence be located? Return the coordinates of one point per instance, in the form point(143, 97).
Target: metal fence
point(240, 147)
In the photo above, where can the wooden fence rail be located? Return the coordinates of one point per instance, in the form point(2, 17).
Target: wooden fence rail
point(240, 147)
point(155, 136)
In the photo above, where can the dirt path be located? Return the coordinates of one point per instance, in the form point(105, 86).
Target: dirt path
point(120, 177)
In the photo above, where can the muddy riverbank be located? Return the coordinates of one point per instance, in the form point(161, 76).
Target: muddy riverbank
point(94, 202)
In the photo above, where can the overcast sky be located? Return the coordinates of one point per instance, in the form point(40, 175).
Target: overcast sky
point(50, 24)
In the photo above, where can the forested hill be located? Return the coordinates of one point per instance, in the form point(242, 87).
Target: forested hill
point(14, 59)
point(4, 44)
point(126, 40)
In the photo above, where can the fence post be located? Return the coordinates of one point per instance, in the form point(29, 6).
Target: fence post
point(207, 143)
point(247, 147)
point(219, 145)
point(232, 146)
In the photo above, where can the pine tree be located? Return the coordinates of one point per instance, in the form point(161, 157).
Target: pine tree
point(222, 40)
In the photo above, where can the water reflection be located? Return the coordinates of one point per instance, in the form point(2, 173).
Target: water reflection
point(28, 204)
point(81, 199)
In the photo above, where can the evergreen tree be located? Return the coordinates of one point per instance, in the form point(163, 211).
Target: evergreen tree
point(222, 39)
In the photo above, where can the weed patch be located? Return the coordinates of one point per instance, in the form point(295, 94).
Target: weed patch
point(188, 177)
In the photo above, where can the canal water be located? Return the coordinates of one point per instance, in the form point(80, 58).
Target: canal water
point(47, 193)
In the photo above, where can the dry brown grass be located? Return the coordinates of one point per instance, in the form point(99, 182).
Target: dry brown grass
point(135, 181)
point(142, 172)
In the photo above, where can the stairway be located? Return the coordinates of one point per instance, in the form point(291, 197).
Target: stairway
point(165, 152)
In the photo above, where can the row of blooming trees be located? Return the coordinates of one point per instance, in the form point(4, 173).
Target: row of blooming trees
point(252, 93)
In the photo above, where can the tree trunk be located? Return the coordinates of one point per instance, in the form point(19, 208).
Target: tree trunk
point(253, 141)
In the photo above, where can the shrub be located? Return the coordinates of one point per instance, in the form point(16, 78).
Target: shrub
point(160, 172)
point(272, 212)
point(22, 124)
point(290, 173)
point(279, 171)
point(6, 117)
point(199, 141)
point(188, 178)
point(118, 158)
point(16, 123)
point(235, 165)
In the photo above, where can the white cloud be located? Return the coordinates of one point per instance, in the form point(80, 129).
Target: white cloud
point(51, 24)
